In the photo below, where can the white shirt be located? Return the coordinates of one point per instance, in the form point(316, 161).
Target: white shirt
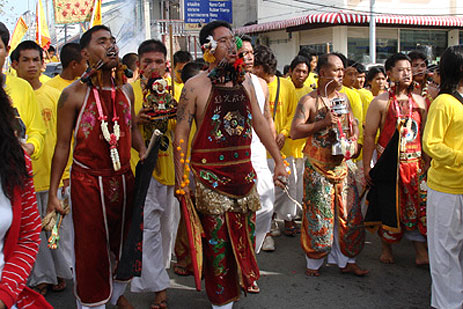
point(258, 151)
point(6, 217)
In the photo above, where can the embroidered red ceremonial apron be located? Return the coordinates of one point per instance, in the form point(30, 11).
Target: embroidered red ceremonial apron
point(221, 151)
point(220, 160)
point(411, 210)
point(330, 196)
point(101, 197)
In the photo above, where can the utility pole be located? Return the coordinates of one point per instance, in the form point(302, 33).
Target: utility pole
point(147, 19)
point(372, 32)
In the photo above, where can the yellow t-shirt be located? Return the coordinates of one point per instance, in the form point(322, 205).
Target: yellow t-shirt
point(366, 97)
point(178, 90)
point(44, 78)
point(357, 110)
point(286, 108)
point(311, 80)
point(298, 145)
point(53, 59)
point(60, 83)
point(442, 141)
point(23, 97)
point(47, 99)
point(164, 171)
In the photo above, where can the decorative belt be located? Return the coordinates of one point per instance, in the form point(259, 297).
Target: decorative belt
point(410, 156)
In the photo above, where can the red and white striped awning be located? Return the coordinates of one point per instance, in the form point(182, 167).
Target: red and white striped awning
point(352, 19)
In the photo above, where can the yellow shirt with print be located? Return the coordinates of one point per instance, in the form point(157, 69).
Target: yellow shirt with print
point(47, 99)
point(164, 171)
point(284, 110)
point(299, 144)
point(24, 100)
point(443, 143)
point(60, 83)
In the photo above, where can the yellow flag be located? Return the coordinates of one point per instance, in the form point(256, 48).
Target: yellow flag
point(96, 14)
point(42, 36)
point(19, 31)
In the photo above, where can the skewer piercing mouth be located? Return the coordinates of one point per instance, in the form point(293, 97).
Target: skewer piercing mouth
point(111, 52)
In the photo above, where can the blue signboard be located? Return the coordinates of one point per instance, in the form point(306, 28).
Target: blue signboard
point(204, 11)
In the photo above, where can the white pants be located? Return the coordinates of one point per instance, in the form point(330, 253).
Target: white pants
point(226, 306)
point(118, 291)
point(160, 222)
point(66, 234)
point(266, 191)
point(284, 207)
point(334, 257)
point(51, 264)
point(445, 245)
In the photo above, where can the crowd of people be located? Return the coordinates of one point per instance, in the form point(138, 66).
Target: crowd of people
point(340, 147)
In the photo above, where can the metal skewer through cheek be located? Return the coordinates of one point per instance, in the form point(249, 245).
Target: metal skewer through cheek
point(85, 78)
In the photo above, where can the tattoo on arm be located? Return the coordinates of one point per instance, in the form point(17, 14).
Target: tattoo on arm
point(300, 111)
point(62, 99)
point(267, 113)
point(181, 113)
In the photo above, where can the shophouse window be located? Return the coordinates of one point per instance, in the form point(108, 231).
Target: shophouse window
point(358, 49)
point(319, 48)
point(432, 42)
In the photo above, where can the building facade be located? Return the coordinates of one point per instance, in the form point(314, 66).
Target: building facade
point(343, 26)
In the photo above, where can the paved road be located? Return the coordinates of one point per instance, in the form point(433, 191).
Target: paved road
point(284, 285)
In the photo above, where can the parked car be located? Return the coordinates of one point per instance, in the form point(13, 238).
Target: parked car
point(53, 69)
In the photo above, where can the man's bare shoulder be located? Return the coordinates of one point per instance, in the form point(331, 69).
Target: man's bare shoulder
point(381, 101)
point(73, 94)
point(309, 99)
point(197, 81)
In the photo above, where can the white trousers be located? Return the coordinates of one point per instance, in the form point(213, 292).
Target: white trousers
point(118, 291)
point(50, 264)
point(284, 207)
point(334, 257)
point(266, 191)
point(66, 234)
point(226, 306)
point(160, 222)
point(445, 246)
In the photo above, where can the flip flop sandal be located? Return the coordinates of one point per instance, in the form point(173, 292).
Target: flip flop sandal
point(181, 271)
point(254, 288)
point(289, 231)
point(42, 289)
point(61, 286)
point(160, 305)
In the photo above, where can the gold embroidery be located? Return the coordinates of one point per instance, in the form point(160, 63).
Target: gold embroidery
point(211, 202)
